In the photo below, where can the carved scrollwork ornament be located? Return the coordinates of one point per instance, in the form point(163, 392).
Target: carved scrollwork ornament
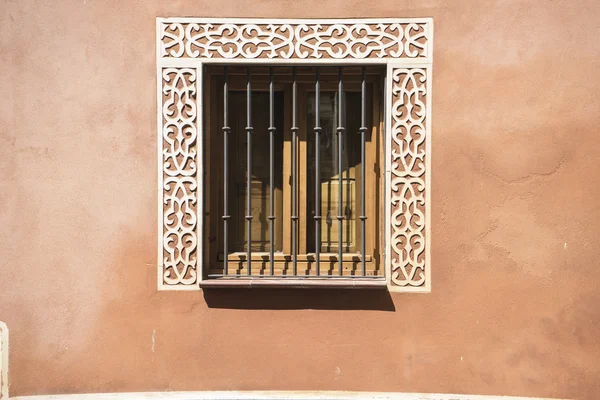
point(408, 177)
point(288, 40)
point(179, 134)
point(184, 45)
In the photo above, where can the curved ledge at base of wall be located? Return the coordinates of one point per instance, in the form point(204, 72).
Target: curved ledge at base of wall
point(270, 395)
point(3, 361)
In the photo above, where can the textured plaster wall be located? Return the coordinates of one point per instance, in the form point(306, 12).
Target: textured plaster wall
point(515, 306)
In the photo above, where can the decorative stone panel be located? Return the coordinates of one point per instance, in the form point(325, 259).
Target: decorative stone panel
point(3, 361)
point(179, 159)
point(312, 40)
point(183, 45)
point(409, 153)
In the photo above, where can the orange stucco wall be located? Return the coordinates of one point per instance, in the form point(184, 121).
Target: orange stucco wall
point(515, 306)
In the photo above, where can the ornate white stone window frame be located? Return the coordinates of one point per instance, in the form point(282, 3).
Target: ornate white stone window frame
point(405, 46)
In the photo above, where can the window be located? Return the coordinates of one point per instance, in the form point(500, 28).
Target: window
point(297, 231)
point(263, 125)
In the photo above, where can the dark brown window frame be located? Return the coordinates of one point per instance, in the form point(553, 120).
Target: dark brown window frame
point(306, 271)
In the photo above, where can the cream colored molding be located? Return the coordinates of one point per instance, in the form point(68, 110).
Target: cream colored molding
point(183, 45)
point(271, 395)
point(3, 361)
point(408, 180)
point(181, 248)
point(300, 40)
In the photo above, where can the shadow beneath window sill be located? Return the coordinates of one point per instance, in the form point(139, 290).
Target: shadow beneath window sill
point(299, 299)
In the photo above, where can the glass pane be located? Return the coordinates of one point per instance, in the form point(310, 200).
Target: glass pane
point(329, 175)
point(260, 191)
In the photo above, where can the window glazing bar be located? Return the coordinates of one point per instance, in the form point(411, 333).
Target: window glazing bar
point(271, 172)
point(340, 134)
point(294, 177)
point(317, 216)
point(249, 131)
point(363, 130)
point(226, 130)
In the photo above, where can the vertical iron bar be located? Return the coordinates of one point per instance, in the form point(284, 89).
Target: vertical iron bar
point(226, 130)
point(317, 216)
point(271, 171)
point(294, 178)
point(363, 129)
point(340, 132)
point(249, 130)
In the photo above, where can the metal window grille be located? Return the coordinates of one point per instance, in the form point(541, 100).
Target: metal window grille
point(340, 131)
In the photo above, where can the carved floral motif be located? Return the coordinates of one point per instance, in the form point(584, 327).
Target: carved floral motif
point(179, 134)
point(301, 41)
point(404, 42)
point(408, 185)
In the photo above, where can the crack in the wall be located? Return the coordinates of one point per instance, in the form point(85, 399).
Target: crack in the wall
point(527, 178)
